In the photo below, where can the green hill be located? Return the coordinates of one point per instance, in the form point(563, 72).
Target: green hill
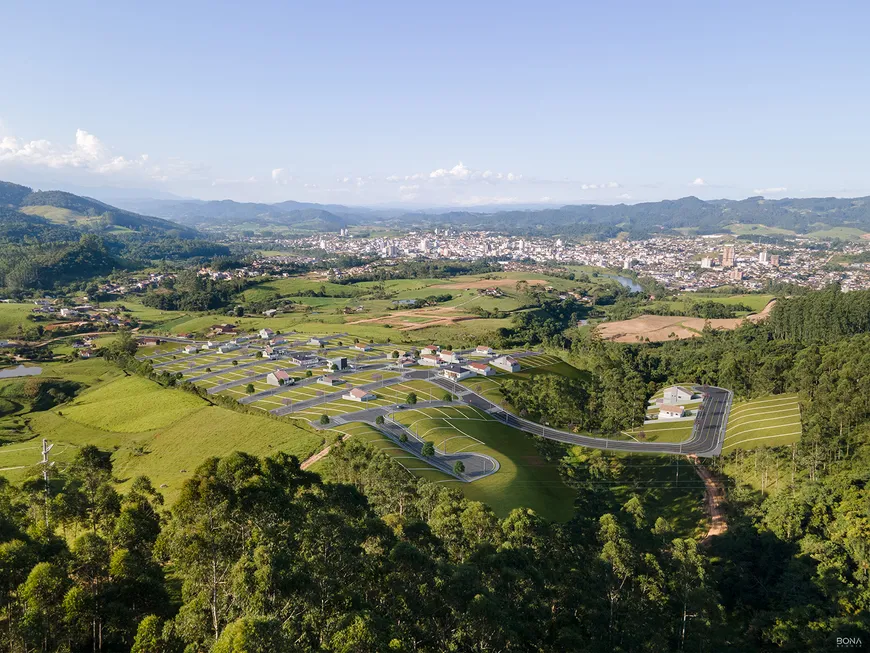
point(84, 213)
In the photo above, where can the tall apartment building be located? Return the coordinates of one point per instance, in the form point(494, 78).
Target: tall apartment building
point(728, 256)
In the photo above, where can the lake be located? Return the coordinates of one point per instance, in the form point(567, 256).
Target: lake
point(14, 372)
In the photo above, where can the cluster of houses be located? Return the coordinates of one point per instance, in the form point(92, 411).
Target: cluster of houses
point(452, 366)
point(671, 402)
point(109, 315)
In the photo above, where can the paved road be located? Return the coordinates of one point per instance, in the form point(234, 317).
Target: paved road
point(477, 465)
point(708, 431)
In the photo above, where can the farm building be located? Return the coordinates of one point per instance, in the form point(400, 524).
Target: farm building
point(329, 380)
point(358, 394)
point(279, 377)
point(481, 368)
point(667, 411)
point(676, 394)
point(506, 363)
point(455, 372)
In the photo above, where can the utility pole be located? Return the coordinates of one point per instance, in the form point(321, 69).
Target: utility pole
point(46, 448)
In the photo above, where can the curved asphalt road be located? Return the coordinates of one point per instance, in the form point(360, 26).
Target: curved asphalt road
point(708, 430)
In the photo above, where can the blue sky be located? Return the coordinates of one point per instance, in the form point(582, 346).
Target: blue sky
point(454, 103)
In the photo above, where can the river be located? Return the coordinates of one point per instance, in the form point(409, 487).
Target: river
point(628, 282)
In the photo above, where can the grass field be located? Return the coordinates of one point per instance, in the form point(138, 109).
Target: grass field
point(11, 315)
point(673, 431)
point(843, 233)
point(524, 479)
point(766, 422)
point(758, 230)
point(159, 432)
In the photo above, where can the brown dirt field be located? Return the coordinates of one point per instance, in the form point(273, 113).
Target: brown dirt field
point(489, 283)
point(440, 316)
point(658, 328)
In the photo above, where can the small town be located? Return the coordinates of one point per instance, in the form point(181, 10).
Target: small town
point(687, 263)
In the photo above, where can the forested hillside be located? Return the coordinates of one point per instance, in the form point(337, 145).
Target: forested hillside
point(51, 238)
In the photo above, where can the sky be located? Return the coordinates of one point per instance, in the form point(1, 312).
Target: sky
point(454, 103)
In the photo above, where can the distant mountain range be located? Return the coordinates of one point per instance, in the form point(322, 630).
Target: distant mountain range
point(598, 220)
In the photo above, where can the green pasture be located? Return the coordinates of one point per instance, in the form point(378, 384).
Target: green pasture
point(524, 479)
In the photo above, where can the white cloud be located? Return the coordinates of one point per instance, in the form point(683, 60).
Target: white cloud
point(88, 154)
point(458, 173)
point(546, 198)
point(625, 196)
point(699, 182)
point(281, 177)
point(601, 186)
point(776, 190)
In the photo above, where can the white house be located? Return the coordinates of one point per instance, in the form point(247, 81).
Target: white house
point(227, 348)
point(455, 372)
point(676, 394)
point(210, 345)
point(506, 363)
point(269, 352)
point(279, 377)
point(330, 380)
point(340, 362)
point(361, 346)
point(483, 350)
point(481, 368)
point(265, 334)
point(190, 349)
point(429, 359)
point(449, 356)
point(430, 349)
point(667, 411)
point(358, 394)
point(318, 342)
